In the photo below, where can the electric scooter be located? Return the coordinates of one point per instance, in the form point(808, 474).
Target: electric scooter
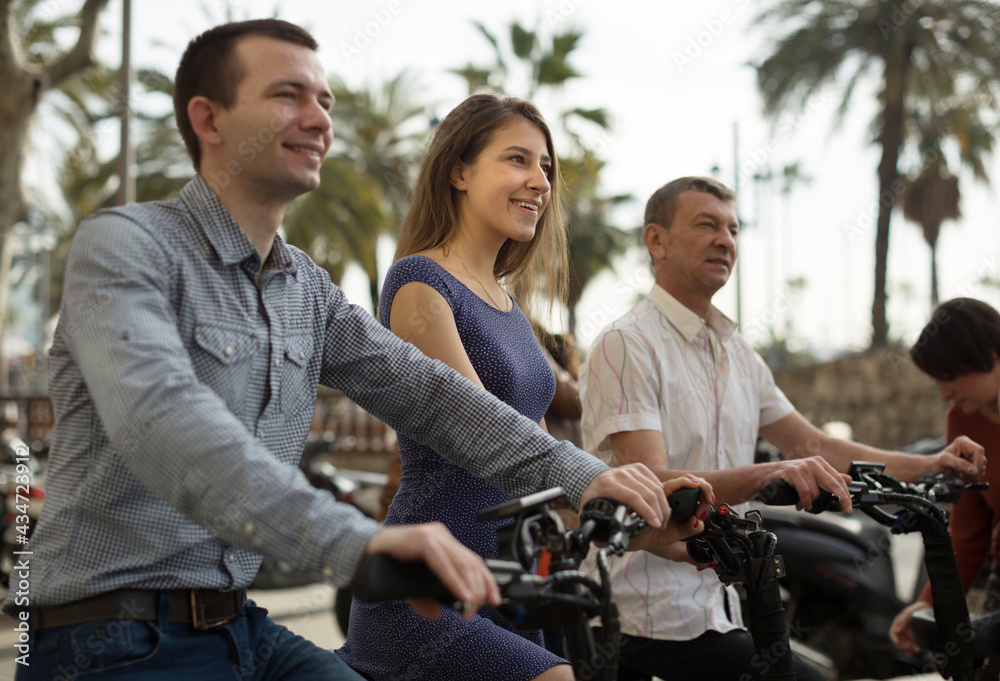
point(839, 592)
point(567, 597)
point(905, 508)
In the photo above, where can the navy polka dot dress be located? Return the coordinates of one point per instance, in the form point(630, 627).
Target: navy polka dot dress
point(390, 641)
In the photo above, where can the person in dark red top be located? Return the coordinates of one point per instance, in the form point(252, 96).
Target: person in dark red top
point(959, 348)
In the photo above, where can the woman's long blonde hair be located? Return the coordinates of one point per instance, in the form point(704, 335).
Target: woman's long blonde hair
point(527, 269)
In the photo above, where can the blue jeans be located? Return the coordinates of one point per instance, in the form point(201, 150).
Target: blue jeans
point(250, 648)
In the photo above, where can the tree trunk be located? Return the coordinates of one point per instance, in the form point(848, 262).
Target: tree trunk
point(574, 292)
point(24, 86)
point(896, 69)
point(373, 292)
point(934, 277)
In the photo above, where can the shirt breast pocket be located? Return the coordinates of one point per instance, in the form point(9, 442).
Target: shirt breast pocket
point(298, 386)
point(222, 356)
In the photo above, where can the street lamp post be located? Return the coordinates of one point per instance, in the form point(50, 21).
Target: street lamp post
point(126, 157)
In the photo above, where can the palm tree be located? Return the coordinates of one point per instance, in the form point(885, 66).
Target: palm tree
point(89, 182)
point(944, 42)
point(930, 199)
point(366, 179)
point(594, 241)
point(931, 192)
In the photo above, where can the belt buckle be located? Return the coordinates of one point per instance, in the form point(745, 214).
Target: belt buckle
point(200, 619)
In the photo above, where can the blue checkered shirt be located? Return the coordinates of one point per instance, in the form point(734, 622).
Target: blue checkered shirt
point(184, 375)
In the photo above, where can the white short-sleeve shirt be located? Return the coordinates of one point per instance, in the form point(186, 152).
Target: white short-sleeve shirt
point(662, 367)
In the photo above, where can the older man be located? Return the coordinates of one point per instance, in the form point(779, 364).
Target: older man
point(672, 385)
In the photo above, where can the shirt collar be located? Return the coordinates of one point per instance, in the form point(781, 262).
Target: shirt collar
point(229, 241)
point(686, 321)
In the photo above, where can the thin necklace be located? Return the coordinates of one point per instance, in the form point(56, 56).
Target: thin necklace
point(485, 290)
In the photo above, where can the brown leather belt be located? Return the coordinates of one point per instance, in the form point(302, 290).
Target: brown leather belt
point(201, 608)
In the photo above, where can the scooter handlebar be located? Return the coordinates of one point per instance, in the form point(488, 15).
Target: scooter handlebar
point(383, 578)
point(683, 503)
point(781, 493)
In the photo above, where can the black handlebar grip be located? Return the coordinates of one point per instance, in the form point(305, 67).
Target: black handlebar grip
point(683, 503)
point(383, 578)
point(778, 493)
point(781, 493)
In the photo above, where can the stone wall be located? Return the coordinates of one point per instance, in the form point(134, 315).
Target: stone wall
point(881, 395)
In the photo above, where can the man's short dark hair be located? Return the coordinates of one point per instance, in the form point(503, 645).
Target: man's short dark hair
point(962, 337)
point(209, 68)
point(662, 205)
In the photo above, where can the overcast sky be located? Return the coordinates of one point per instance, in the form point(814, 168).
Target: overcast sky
point(676, 78)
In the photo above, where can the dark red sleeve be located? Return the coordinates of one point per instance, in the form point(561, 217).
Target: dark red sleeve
point(971, 523)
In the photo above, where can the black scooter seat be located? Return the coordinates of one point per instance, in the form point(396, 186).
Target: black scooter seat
point(985, 628)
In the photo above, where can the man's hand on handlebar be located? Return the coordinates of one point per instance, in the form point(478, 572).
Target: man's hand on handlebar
point(677, 528)
point(962, 457)
point(461, 570)
point(808, 476)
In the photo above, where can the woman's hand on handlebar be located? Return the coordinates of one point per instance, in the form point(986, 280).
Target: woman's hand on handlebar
point(901, 633)
point(675, 530)
point(461, 570)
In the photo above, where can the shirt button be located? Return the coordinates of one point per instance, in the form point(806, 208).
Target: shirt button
point(231, 557)
point(328, 572)
point(302, 355)
point(277, 362)
point(228, 351)
point(249, 527)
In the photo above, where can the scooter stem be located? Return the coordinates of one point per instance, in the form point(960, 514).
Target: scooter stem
point(950, 610)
